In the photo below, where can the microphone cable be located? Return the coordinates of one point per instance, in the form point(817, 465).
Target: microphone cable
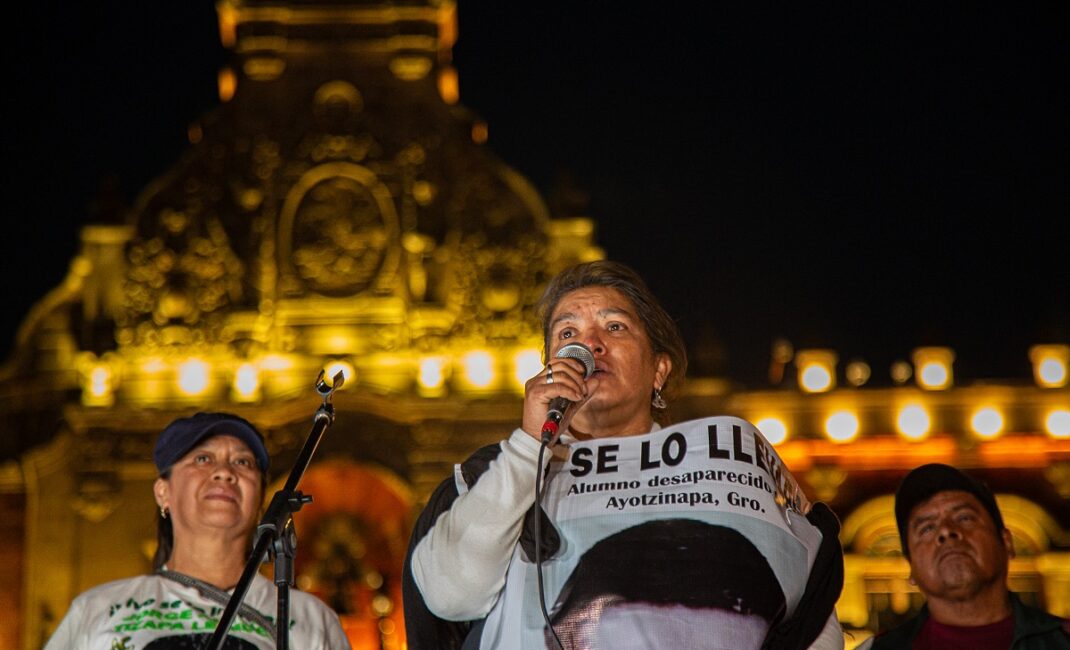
point(583, 354)
point(538, 545)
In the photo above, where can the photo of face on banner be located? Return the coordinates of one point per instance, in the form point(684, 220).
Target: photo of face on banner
point(669, 583)
point(196, 642)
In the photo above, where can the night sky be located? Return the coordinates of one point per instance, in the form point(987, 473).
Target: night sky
point(860, 177)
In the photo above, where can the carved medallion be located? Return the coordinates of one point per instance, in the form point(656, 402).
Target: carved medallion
point(338, 230)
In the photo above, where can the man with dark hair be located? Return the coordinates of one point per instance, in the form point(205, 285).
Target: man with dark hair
point(952, 533)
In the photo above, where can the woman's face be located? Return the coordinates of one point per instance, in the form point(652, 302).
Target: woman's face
point(626, 368)
point(213, 488)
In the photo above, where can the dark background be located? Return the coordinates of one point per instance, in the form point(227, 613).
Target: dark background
point(864, 177)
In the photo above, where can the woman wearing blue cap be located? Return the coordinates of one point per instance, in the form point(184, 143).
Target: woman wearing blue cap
point(213, 470)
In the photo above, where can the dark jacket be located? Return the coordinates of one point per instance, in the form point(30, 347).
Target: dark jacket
point(1034, 629)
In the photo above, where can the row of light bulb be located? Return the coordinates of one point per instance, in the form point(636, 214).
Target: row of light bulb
point(478, 369)
point(474, 370)
point(914, 423)
point(932, 368)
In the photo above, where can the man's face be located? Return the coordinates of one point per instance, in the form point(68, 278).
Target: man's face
point(955, 550)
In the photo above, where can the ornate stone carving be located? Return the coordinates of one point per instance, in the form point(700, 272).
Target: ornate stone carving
point(178, 279)
point(338, 230)
point(96, 496)
point(826, 481)
point(1058, 474)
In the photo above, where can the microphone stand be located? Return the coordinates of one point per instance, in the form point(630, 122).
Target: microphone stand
point(276, 535)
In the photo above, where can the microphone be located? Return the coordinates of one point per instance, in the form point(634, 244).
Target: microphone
point(559, 405)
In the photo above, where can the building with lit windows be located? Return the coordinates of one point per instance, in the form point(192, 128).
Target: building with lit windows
point(339, 212)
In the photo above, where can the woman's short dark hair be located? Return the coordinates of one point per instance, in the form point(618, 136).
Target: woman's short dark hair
point(660, 327)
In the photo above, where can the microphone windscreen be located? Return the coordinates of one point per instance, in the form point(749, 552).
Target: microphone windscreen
point(581, 353)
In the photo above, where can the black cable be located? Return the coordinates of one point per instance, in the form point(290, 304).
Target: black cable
point(538, 546)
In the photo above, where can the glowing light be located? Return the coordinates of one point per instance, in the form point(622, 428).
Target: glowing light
point(153, 365)
point(98, 388)
point(934, 367)
point(1052, 372)
point(423, 192)
point(227, 83)
point(526, 364)
point(857, 373)
point(933, 375)
point(99, 381)
point(432, 372)
point(1058, 423)
point(480, 132)
point(774, 430)
point(987, 422)
point(276, 362)
point(817, 370)
point(448, 87)
point(410, 68)
point(913, 422)
point(842, 426)
point(816, 378)
point(901, 372)
point(382, 605)
point(338, 341)
point(332, 368)
point(479, 368)
point(246, 382)
point(193, 377)
point(1050, 365)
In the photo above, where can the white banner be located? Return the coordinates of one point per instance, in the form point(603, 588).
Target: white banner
point(688, 537)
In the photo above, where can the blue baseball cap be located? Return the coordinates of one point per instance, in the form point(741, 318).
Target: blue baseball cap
point(183, 434)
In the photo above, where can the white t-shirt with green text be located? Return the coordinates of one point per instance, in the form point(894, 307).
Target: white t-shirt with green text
point(151, 612)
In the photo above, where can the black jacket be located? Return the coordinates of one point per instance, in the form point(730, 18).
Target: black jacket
point(1034, 629)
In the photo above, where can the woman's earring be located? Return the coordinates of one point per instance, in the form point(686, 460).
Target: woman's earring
point(658, 401)
point(164, 512)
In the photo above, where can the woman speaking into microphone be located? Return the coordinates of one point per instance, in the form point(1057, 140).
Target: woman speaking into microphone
point(474, 574)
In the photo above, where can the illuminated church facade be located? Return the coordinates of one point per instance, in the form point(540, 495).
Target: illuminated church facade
point(340, 211)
